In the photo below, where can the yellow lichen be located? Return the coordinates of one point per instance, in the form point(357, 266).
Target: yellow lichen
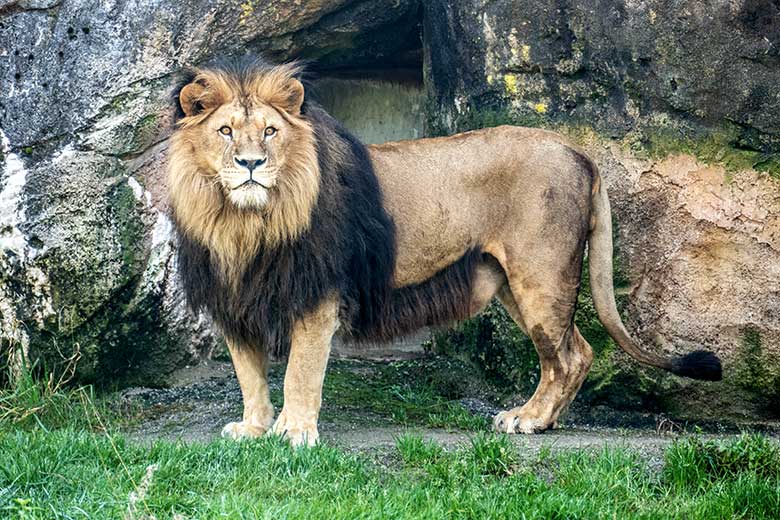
point(510, 83)
point(247, 8)
point(525, 53)
point(541, 108)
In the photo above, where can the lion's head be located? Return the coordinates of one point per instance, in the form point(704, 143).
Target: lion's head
point(277, 207)
point(243, 164)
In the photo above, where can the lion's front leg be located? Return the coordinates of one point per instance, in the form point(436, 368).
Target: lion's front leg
point(251, 366)
point(311, 339)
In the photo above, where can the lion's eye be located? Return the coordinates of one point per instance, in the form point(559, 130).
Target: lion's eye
point(270, 131)
point(226, 130)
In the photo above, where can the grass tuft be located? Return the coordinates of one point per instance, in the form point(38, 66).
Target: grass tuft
point(493, 454)
point(46, 400)
point(694, 462)
point(416, 451)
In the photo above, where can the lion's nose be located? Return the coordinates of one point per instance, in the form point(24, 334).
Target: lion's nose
point(250, 163)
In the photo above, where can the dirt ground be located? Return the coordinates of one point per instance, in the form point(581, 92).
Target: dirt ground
point(203, 398)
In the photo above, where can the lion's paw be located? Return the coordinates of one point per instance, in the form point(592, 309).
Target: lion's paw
point(299, 432)
point(242, 430)
point(518, 421)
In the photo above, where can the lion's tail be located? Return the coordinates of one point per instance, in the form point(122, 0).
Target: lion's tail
point(700, 364)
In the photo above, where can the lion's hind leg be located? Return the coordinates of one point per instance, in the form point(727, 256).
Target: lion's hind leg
point(251, 366)
point(564, 355)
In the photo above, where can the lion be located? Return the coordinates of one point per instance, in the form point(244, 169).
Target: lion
point(290, 230)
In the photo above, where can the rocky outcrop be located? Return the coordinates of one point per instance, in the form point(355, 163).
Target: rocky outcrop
point(698, 245)
point(678, 104)
point(677, 101)
point(683, 67)
point(85, 244)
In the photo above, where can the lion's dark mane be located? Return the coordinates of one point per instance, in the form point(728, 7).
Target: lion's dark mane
point(349, 249)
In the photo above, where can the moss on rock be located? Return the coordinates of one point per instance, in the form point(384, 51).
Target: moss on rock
point(757, 373)
point(496, 347)
point(728, 145)
point(130, 229)
point(94, 267)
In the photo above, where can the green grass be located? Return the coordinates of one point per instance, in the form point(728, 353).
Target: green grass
point(694, 462)
point(73, 474)
point(404, 393)
point(416, 451)
point(62, 457)
point(47, 401)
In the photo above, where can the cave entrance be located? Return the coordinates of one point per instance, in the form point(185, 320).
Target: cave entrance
point(371, 77)
point(376, 105)
point(375, 88)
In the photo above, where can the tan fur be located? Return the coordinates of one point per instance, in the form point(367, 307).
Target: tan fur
point(303, 381)
point(305, 374)
point(520, 194)
point(199, 186)
point(251, 366)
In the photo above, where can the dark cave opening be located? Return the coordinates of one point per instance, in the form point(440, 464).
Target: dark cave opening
point(375, 85)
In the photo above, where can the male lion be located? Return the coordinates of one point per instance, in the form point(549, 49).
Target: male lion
point(291, 229)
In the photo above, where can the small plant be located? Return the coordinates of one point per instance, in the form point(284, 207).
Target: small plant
point(41, 398)
point(493, 454)
point(694, 462)
point(416, 451)
point(454, 415)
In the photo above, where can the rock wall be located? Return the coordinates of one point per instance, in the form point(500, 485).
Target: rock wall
point(677, 101)
point(683, 67)
point(376, 110)
point(86, 263)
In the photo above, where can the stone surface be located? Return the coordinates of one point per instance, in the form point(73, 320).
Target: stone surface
point(86, 252)
point(613, 66)
point(677, 103)
point(377, 110)
point(699, 248)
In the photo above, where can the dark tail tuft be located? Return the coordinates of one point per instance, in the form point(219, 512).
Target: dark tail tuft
point(698, 365)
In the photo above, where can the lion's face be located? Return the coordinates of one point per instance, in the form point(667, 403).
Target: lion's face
point(246, 148)
point(243, 166)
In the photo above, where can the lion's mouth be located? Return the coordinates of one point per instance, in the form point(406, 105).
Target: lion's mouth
point(252, 183)
point(248, 184)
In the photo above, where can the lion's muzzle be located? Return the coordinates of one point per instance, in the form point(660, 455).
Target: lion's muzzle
point(235, 178)
point(248, 189)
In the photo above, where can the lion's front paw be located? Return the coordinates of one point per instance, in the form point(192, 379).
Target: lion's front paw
point(242, 430)
point(300, 432)
point(518, 420)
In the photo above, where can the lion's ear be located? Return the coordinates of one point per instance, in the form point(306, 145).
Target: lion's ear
point(294, 92)
point(190, 98)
